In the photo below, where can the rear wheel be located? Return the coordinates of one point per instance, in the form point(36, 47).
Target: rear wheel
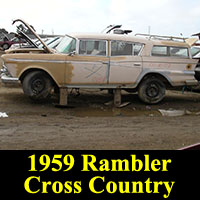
point(37, 85)
point(151, 90)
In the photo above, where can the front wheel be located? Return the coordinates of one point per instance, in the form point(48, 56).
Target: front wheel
point(37, 85)
point(151, 90)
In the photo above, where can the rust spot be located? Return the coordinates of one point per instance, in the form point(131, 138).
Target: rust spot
point(189, 67)
point(69, 72)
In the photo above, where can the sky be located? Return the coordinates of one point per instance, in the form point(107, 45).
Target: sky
point(164, 17)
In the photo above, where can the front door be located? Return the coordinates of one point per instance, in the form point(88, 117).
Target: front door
point(90, 65)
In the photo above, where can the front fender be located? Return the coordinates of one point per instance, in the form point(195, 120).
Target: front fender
point(28, 69)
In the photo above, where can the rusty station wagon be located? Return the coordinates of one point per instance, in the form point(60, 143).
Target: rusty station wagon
point(147, 65)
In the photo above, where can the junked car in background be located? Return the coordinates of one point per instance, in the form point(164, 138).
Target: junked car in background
point(145, 64)
point(51, 42)
point(6, 43)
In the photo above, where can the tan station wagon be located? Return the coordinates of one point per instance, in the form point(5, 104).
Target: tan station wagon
point(147, 65)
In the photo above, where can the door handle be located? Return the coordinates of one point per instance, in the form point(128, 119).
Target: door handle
point(137, 64)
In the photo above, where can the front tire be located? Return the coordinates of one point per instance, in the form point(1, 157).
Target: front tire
point(151, 90)
point(37, 85)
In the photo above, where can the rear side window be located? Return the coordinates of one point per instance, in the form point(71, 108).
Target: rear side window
point(181, 52)
point(92, 47)
point(119, 48)
point(159, 51)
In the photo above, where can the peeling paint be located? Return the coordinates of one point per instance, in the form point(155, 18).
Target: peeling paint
point(69, 73)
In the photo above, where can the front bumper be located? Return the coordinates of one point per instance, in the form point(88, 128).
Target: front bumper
point(6, 78)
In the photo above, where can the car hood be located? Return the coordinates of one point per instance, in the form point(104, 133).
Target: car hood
point(45, 47)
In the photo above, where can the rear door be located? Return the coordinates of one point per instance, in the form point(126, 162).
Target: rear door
point(125, 62)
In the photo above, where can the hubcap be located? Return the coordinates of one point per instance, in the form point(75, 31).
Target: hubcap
point(37, 86)
point(152, 90)
point(5, 46)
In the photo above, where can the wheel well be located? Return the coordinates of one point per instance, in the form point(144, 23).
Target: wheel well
point(21, 78)
point(159, 76)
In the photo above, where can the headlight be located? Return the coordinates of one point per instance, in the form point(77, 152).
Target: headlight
point(4, 70)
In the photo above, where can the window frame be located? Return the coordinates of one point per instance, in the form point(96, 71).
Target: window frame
point(93, 40)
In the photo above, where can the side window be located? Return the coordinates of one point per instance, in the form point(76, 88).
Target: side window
point(179, 52)
point(90, 47)
point(137, 48)
point(121, 48)
point(159, 51)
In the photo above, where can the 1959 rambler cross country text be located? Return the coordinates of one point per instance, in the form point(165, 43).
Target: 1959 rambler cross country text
point(147, 65)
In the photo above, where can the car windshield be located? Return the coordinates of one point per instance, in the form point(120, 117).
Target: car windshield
point(54, 42)
point(67, 45)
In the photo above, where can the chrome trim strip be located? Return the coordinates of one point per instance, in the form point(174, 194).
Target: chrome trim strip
point(52, 61)
point(184, 72)
point(42, 61)
point(105, 86)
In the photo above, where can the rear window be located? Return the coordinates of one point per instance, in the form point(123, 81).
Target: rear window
point(181, 52)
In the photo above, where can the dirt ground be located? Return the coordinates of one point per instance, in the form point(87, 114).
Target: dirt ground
point(91, 124)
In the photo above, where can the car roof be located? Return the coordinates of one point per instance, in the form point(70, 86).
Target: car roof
point(129, 38)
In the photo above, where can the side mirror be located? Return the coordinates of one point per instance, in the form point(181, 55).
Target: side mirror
point(72, 53)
